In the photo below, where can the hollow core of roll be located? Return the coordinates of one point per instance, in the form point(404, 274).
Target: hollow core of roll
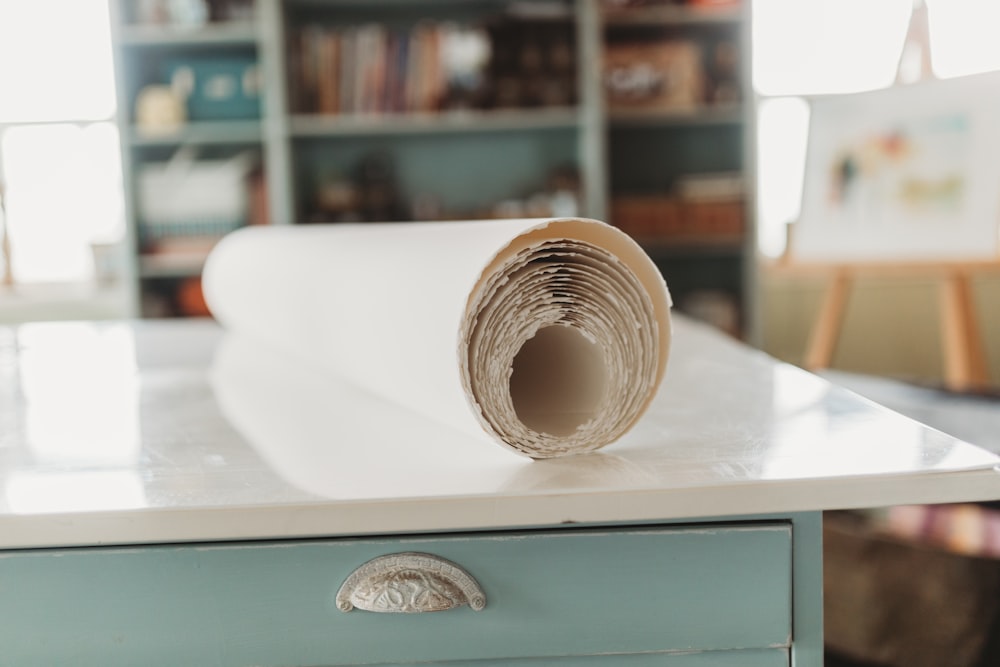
point(558, 380)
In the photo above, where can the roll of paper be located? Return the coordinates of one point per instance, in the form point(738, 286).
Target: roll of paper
point(549, 336)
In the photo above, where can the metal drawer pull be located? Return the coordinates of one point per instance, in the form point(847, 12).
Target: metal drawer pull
point(408, 583)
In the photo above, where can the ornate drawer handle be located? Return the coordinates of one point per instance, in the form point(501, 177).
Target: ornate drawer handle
point(409, 582)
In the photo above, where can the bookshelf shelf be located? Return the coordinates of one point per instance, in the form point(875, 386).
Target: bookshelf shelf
point(201, 133)
point(685, 246)
point(305, 125)
point(708, 115)
point(213, 34)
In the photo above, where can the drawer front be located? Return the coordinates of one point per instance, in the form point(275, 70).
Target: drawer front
point(776, 657)
point(549, 594)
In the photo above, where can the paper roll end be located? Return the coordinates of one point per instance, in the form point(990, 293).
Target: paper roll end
point(567, 340)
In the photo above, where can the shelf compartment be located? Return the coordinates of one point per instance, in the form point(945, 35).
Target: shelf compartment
point(434, 123)
point(446, 174)
point(645, 161)
point(235, 33)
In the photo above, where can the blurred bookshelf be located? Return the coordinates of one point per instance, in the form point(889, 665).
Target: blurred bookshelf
point(394, 110)
point(192, 132)
point(676, 77)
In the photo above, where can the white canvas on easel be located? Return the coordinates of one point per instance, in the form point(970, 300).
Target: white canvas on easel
point(909, 173)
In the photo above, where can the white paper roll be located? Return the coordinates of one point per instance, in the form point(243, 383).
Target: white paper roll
point(550, 336)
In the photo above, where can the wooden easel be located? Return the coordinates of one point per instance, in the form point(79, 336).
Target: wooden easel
point(962, 346)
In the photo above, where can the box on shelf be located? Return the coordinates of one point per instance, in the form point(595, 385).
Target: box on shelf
point(186, 198)
point(217, 87)
point(667, 217)
point(654, 75)
point(721, 186)
point(646, 216)
point(719, 219)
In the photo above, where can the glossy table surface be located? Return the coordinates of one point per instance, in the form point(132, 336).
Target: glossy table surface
point(126, 433)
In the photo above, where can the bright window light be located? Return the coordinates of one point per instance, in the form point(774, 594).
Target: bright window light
point(64, 189)
point(807, 47)
point(964, 36)
point(60, 165)
point(782, 126)
point(55, 61)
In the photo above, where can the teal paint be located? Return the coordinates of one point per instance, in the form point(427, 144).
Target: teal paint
point(807, 604)
point(519, 164)
point(751, 658)
point(549, 594)
point(670, 153)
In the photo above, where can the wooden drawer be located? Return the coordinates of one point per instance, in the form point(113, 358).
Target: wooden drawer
point(552, 593)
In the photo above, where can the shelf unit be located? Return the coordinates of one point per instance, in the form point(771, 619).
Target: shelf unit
point(474, 160)
point(703, 244)
point(201, 133)
point(146, 54)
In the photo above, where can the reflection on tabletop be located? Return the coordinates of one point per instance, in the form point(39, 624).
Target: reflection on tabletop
point(100, 417)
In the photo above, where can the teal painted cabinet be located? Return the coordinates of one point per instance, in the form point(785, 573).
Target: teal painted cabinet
point(550, 594)
point(140, 526)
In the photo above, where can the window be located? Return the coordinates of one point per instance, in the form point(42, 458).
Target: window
point(59, 155)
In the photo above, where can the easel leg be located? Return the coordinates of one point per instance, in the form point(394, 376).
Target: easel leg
point(826, 330)
point(962, 344)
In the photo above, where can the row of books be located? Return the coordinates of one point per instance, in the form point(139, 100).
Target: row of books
point(432, 66)
point(371, 68)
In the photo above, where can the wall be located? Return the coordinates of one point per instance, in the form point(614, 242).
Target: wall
point(890, 327)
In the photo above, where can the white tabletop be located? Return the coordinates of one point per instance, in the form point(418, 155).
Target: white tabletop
point(128, 433)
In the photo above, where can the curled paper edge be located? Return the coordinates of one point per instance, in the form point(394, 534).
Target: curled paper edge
point(629, 255)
